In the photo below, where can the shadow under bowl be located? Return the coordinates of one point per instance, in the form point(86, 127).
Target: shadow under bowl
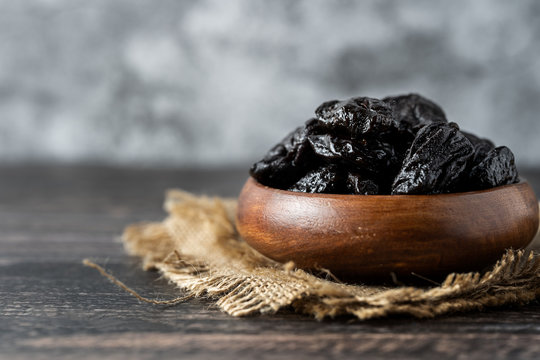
point(369, 237)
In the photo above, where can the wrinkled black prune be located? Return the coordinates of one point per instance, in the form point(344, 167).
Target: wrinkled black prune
point(398, 145)
point(370, 156)
point(497, 168)
point(481, 147)
point(412, 112)
point(325, 179)
point(357, 116)
point(277, 172)
point(281, 167)
point(415, 111)
point(289, 160)
point(435, 162)
point(372, 159)
point(356, 185)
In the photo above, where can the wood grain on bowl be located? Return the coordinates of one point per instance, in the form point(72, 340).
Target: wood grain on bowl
point(368, 237)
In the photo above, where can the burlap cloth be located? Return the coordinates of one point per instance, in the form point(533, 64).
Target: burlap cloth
point(198, 249)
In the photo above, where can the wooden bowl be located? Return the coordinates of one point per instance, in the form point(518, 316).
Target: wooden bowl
point(368, 237)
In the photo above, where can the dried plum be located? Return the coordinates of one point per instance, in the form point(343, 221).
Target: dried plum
point(435, 162)
point(397, 145)
point(359, 186)
point(325, 179)
point(281, 168)
point(288, 160)
point(481, 147)
point(357, 116)
point(369, 156)
point(415, 111)
point(497, 168)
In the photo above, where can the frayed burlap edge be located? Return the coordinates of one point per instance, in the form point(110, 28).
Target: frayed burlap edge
point(197, 248)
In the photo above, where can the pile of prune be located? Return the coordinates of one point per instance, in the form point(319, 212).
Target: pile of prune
point(397, 145)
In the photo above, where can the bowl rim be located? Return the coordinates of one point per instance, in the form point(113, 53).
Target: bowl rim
point(257, 184)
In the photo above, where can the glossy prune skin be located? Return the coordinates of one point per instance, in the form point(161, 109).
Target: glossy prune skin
point(286, 162)
point(398, 145)
point(324, 179)
point(359, 116)
point(497, 168)
point(481, 147)
point(438, 157)
point(277, 172)
point(357, 185)
point(371, 156)
point(415, 111)
point(412, 112)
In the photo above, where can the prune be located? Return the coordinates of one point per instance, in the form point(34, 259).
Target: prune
point(287, 161)
point(497, 168)
point(278, 172)
point(435, 162)
point(325, 179)
point(398, 145)
point(415, 111)
point(369, 156)
point(481, 147)
point(356, 185)
point(357, 116)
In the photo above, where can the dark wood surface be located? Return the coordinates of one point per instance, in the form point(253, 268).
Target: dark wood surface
point(368, 238)
point(53, 307)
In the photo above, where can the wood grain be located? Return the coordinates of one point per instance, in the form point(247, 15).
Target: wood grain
point(52, 307)
point(369, 237)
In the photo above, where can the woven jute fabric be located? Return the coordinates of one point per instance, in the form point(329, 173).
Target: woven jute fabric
point(198, 249)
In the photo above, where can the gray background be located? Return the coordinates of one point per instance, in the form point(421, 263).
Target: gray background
point(215, 83)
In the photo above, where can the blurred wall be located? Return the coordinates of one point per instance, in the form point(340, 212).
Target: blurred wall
point(214, 83)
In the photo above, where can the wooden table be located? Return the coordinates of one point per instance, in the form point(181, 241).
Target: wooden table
point(53, 307)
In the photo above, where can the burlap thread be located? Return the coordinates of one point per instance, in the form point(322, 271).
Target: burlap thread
point(198, 249)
